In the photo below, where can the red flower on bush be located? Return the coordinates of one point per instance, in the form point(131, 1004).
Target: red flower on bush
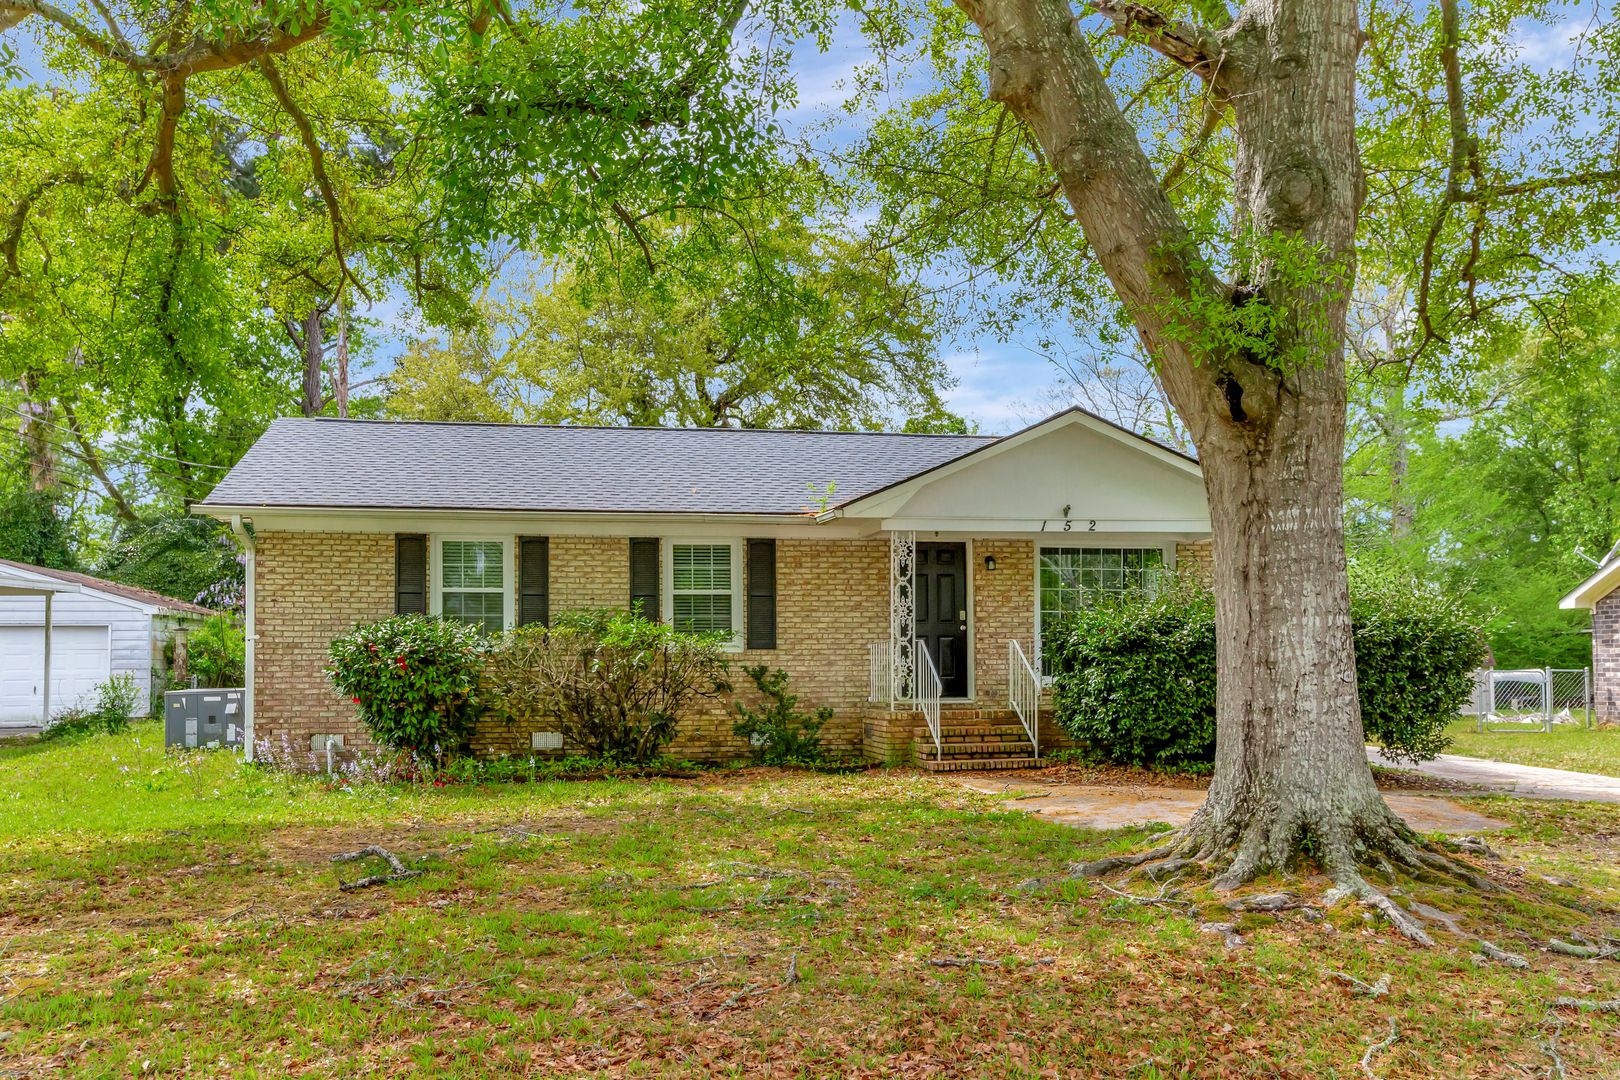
point(357, 701)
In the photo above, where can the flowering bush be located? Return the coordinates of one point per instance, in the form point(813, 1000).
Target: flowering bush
point(413, 679)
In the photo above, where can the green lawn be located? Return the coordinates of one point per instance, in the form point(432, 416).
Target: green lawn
point(1566, 746)
point(180, 915)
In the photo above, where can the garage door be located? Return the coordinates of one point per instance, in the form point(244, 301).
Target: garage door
point(79, 663)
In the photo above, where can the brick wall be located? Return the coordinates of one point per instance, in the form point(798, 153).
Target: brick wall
point(1606, 659)
point(589, 572)
point(1194, 560)
point(1003, 611)
point(308, 589)
point(832, 602)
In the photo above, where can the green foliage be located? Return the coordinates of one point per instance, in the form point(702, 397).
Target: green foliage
point(768, 322)
point(777, 732)
point(216, 652)
point(178, 554)
point(1415, 650)
point(114, 709)
point(413, 679)
point(33, 530)
point(1136, 675)
point(614, 683)
point(1503, 504)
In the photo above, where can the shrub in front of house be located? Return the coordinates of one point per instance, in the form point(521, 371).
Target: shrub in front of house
point(414, 680)
point(615, 684)
point(216, 652)
point(113, 711)
point(1135, 676)
point(778, 733)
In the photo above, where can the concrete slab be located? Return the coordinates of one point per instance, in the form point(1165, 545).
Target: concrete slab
point(1090, 806)
point(1525, 781)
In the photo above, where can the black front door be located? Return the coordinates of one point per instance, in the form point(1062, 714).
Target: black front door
point(941, 596)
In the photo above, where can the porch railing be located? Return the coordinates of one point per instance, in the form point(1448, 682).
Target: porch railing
point(880, 672)
point(1024, 693)
point(928, 685)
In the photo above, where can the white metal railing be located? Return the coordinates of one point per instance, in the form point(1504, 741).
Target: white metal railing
point(927, 695)
point(880, 672)
point(1024, 693)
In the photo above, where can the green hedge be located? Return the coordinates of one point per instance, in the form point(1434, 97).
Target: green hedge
point(1135, 676)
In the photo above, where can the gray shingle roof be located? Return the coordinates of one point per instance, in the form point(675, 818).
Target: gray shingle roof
point(367, 464)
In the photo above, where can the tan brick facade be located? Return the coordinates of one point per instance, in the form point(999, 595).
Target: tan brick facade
point(1606, 659)
point(1195, 561)
point(832, 604)
point(308, 589)
point(1003, 611)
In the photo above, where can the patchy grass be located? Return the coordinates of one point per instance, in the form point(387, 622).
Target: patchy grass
point(1566, 746)
point(181, 915)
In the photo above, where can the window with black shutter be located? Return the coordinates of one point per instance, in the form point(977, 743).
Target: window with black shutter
point(534, 581)
point(410, 575)
point(644, 576)
point(762, 594)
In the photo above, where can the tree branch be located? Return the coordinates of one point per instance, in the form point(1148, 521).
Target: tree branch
point(19, 217)
point(317, 164)
point(1193, 47)
point(87, 454)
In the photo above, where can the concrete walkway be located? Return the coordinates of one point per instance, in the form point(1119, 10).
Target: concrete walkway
point(1525, 781)
point(1095, 806)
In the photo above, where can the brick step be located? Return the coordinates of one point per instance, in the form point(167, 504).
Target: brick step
point(966, 713)
point(977, 764)
point(970, 731)
point(1019, 745)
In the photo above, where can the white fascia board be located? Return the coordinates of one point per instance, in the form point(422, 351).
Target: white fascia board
point(303, 519)
point(1594, 588)
point(1182, 528)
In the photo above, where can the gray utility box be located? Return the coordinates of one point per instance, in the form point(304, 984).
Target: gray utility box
point(202, 717)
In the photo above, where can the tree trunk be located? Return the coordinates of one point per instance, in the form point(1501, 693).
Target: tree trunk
point(34, 428)
point(1291, 770)
point(340, 358)
point(314, 361)
point(1265, 407)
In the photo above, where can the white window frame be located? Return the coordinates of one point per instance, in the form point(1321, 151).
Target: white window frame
point(436, 588)
point(666, 583)
point(1167, 561)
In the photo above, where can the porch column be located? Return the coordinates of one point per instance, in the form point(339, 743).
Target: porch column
point(45, 719)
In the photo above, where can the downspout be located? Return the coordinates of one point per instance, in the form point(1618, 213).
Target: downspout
point(250, 635)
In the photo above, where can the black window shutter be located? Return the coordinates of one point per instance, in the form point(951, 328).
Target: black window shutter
point(644, 576)
point(762, 594)
point(534, 581)
point(410, 575)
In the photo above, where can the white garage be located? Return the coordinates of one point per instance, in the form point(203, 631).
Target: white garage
point(98, 629)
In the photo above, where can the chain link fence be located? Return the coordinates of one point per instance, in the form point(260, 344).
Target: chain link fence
point(1531, 699)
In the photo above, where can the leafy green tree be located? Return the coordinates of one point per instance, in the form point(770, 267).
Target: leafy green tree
point(180, 555)
point(761, 321)
point(33, 530)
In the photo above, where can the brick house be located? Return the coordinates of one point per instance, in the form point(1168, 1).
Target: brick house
point(902, 580)
point(1600, 594)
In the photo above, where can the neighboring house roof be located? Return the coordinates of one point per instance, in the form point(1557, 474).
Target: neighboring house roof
point(112, 588)
point(371, 464)
point(1596, 587)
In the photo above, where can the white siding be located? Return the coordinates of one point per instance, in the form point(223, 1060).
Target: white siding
point(129, 624)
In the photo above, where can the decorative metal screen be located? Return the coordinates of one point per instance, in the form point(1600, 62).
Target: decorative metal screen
point(902, 612)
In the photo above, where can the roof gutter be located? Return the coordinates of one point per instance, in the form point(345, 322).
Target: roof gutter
point(249, 633)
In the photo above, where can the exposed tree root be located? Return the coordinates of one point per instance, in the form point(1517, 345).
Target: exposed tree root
point(1236, 848)
point(399, 871)
point(1610, 1006)
point(1366, 1059)
point(1373, 990)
